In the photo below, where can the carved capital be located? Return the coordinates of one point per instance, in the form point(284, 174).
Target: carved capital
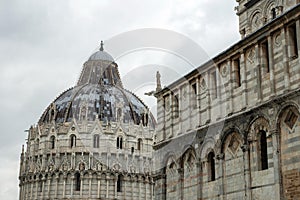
point(245, 147)
point(274, 132)
point(220, 156)
point(180, 170)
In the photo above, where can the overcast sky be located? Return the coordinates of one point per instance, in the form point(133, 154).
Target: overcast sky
point(43, 45)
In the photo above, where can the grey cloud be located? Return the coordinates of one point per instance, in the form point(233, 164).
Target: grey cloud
point(44, 44)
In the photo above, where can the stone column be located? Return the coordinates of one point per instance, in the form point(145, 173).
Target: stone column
point(243, 79)
point(230, 98)
point(151, 189)
point(36, 187)
point(107, 185)
point(247, 176)
point(208, 98)
point(180, 183)
point(81, 182)
point(99, 187)
point(220, 93)
point(276, 160)
point(258, 72)
point(31, 188)
point(49, 185)
point(72, 184)
point(220, 172)
point(44, 162)
point(298, 38)
point(125, 185)
point(139, 183)
point(115, 181)
point(132, 188)
point(25, 189)
point(56, 184)
point(271, 65)
point(146, 182)
point(90, 184)
point(64, 189)
point(285, 59)
point(21, 191)
point(199, 180)
point(43, 186)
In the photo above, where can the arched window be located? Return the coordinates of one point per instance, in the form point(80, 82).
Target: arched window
point(77, 181)
point(273, 12)
point(96, 141)
point(119, 183)
point(132, 150)
point(211, 167)
point(144, 117)
point(119, 142)
point(73, 141)
point(263, 150)
point(52, 142)
point(139, 144)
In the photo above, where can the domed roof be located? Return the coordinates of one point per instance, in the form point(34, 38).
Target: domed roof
point(101, 55)
point(99, 94)
point(105, 102)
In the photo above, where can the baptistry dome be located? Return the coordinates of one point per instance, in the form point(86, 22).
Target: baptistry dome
point(98, 94)
point(94, 141)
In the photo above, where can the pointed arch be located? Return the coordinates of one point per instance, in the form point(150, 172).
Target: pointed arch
point(73, 140)
point(207, 146)
point(52, 142)
point(258, 124)
point(96, 141)
point(269, 10)
point(255, 19)
point(211, 168)
point(228, 134)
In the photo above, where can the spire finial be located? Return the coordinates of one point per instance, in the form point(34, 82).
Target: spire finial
point(101, 46)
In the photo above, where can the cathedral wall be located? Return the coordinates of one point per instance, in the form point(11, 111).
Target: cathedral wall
point(91, 187)
point(242, 110)
point(250, 73)
point(255, 14)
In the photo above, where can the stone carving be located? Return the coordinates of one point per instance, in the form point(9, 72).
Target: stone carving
point(203, 84)
point(224, 69)
point(65, 164)
point(251, 56)
point(256, 21)
point(278, 40)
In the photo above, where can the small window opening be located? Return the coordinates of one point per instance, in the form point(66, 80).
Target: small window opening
point(73, 141)
point(263, 151)
point(52, 142)
point(144, 117)
point(132, 150)
point(211, 167)
point(77, 181)
point(273, 12)
point(119, 142)
point(119, 183)
point(194, 95)
point(139, 146)
point(293, 45)
point(176, 106)
point(265, 57)
point(96, 141)
point(237, 71)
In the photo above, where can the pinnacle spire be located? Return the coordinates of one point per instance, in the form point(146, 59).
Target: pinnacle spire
point(101, 46)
